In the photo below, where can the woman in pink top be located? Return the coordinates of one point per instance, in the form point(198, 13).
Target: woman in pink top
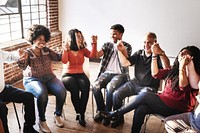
point(178, 95)
point(74, 78)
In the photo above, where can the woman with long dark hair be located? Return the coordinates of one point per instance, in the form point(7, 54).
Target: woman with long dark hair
point(74, 78)
point(179, 91)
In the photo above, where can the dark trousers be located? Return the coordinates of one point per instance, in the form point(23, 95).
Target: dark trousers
point(12, 94)
point(79, 86)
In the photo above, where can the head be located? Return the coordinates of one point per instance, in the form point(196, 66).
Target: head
point(38, 35)
point(149, 39)
point(192, 51)
point(75, 40)
point(117, 31)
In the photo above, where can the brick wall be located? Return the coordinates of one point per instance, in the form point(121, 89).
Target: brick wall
point(12, 72)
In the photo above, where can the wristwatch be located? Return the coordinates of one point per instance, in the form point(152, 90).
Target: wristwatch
point(162, 53)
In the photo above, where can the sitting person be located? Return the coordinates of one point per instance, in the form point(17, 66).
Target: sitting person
point(178, 95)
point(73, 77)
point(9, 93)
point(112, 74)
point(186, 122)
point(143, 80)
point(39, 78)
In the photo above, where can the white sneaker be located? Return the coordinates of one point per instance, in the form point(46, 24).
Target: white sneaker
point(43, 126)
point(58, 120)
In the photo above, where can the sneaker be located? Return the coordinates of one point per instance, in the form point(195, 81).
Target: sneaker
point(98, 118)
point(117, 122)
point(58, 120)
point(106, 122)
point(43, 126)
point(29, 129)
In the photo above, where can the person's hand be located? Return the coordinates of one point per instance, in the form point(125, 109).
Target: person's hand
point(120, 45)
point(156, 50)
point(94, 39)
point(184, 60)
point(65, 46)
point(22, 54)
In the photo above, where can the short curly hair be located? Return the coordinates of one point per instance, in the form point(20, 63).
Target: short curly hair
point(37, 30)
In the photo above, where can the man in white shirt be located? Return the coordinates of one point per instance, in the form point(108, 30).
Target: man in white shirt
point(9, 93)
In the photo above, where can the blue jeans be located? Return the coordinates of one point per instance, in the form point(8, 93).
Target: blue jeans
point(41, 87)
point(110, 82)
point(146, 103)
point(128, 89)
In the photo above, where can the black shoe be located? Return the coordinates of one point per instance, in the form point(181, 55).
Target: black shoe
point(112, 115)
point(77, 116)
point(81, 119)
point(117, 122)
point(106, 122)
point(29, 129)
point(98, 118)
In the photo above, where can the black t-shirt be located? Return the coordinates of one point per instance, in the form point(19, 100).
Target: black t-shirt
point(143, 69)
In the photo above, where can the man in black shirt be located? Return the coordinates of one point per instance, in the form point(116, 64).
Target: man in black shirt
point(143, 80)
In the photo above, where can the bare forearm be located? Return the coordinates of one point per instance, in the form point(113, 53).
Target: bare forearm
point(165, 61)
point(183, 79)
point(193, 76)
point(154, 65)
point(123, 59)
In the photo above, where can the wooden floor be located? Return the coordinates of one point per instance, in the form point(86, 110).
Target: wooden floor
point(70, 124)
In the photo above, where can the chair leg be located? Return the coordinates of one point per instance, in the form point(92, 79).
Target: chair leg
point(92, 105)
point(16, 115)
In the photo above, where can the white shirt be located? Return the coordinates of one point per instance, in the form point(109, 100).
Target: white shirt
point(7, 57)
point(113, 65)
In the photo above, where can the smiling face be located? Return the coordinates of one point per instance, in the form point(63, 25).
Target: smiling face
point(79, 39)
point(148, 42)
point(115, 35)
point(40, 42)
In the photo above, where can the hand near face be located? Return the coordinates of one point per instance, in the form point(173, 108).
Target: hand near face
point(22, 54)
point(184, 60)
point(66, 46)
point(155, 48)
point(94, 39)
point(120, 45)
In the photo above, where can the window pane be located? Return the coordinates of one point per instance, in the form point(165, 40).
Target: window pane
point(25, 2)
point(8, 6)
point(5, 37)
point(16, 35)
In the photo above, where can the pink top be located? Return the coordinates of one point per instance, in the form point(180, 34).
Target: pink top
point(183, 99)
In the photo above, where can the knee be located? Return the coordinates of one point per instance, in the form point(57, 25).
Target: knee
point(96, 87)
point(3, 109)
point(110, 88)
point(29, 97)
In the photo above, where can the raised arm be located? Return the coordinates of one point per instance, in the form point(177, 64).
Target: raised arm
point(194, 78)
point(183, 78)
point(123, 55)
point(94, 44)
point(156, 50)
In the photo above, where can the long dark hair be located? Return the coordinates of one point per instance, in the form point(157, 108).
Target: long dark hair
point(73, 44)
point(174, 73)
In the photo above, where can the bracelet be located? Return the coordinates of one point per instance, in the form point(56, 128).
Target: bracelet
point(154, 57)
point(182, 70)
